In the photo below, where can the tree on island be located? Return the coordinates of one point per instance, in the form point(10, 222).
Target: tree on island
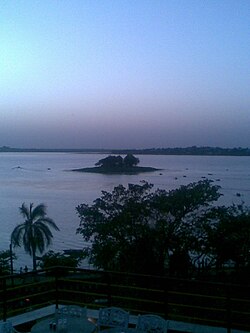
point(118, 165)
point(130, 160)
point(110, 162)
point(118, 162)
point(34, 233)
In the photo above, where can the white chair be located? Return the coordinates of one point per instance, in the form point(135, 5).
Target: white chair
point(151, 324)
point(66, 315)
point(77, 311)
point(71, 311)
point(61, 312)
point(112, 317)
point(61, 316)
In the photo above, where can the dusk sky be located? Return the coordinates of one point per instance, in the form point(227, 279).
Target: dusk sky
point(124, 73)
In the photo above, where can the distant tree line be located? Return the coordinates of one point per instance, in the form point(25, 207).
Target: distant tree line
point(194, 150)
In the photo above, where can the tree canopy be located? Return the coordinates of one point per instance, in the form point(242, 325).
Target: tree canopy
point(130, 160)
point(118, 162)
point(52, 259)
point(227, 231)
point(137, 229)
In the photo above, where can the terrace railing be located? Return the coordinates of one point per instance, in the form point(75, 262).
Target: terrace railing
point(215, 304)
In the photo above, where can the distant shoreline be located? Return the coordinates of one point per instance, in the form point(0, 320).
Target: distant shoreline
point(188, 151)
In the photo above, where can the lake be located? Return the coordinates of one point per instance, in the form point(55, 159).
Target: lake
point(45, 178)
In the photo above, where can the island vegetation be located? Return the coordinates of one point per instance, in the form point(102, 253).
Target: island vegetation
point(118, 164)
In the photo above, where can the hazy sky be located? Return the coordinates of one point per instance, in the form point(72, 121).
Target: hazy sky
point(124, 73)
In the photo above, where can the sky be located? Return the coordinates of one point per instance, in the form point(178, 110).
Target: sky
point(124, 73)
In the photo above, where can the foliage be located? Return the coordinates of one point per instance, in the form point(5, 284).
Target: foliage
point(137, 230)
point(34, 233)
point(110, 162)
point(228, 235)
point(5, 261)
point(116, 223)
point(175, 213)
point(52, 258)
point(130, 160)
point(118, 162)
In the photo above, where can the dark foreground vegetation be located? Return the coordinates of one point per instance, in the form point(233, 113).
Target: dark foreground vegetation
point(180, 233)
point(173, 253)
point(176, 233)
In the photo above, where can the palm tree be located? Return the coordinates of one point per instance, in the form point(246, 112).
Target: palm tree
point(34, 233)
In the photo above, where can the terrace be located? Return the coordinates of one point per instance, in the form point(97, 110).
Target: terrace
point(189, 305)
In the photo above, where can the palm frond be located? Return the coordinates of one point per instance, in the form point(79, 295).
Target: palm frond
point(16, 235)
point(25, 211)
point(28, 239)
point(49, 221)
point(39, 240)
point(44, 228)
point(38, 212)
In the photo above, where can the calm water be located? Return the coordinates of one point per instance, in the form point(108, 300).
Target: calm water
point(43, 177)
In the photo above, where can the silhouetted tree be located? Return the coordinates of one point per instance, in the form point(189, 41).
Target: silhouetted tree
point(130, 160)
point(228, 235)
point(34, 233)
point(110, 162)
point(118, 162)
point(176, 213)
point(137, 230)
point(5, 262)
point(117, 223)
point(52, 258)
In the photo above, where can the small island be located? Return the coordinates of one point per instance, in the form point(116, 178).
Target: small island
point(118, 165)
